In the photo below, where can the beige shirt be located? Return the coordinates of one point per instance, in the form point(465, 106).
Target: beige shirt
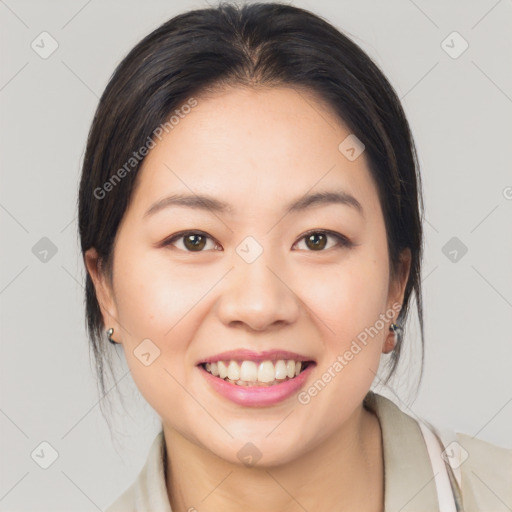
point(409, 478)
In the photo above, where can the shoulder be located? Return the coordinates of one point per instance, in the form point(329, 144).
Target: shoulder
point(480, 473)
point(485, 474)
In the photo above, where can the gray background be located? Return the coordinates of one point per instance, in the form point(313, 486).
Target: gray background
point(460, 111)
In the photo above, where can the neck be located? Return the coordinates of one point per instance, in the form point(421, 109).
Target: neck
point(345, 472)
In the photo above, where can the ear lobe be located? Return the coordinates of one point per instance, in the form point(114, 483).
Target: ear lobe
point(102, 287)
point(396, 295)
point(389, 343)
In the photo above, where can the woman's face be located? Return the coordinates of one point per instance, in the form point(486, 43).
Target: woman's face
point(249, 277)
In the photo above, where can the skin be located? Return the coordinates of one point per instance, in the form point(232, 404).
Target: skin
point(257, 149)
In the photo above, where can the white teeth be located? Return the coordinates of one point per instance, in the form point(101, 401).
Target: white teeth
point(233, 370)
point(290, 368)
point(266, 372)
point(250, 372)
point(281, 371)
point(223, 370)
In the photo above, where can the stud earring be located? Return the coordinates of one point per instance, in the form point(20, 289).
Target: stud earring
point(397, 330)
point(109, 336)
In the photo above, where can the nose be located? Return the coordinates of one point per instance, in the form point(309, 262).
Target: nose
point(257, 296)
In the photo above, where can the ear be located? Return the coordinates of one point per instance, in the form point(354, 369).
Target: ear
point(396, 292)
point(104, 292)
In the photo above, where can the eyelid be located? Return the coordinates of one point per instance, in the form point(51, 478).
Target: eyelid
point(341, 240)
point(176, 236)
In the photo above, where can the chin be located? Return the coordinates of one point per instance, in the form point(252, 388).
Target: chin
point(258, 450)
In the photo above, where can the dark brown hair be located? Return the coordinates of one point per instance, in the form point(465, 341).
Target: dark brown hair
point(254, 45)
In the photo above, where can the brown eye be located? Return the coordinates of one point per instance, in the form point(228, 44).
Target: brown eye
point(317, 241)
point(192, 241)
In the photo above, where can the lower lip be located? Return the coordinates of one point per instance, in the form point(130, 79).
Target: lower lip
point(258, 396)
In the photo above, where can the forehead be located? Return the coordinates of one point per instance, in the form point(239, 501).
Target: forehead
point(260, 147)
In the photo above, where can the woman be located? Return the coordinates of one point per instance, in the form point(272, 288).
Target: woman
point(249, 215)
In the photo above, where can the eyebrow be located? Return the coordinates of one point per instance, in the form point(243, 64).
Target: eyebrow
point(205, 202)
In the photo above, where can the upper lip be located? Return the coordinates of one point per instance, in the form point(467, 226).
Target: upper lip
point(251, 355)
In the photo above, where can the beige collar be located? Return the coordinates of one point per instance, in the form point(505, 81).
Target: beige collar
point(409, 483)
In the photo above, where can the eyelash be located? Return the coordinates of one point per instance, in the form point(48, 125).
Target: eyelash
point(341, 241)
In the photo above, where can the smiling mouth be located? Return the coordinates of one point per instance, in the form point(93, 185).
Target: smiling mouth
point(260, 374)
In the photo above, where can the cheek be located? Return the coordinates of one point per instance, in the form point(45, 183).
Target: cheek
point(164, 303)
point(350, 304)
point(154, 295)
point(149, 305)
point(349, 297)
